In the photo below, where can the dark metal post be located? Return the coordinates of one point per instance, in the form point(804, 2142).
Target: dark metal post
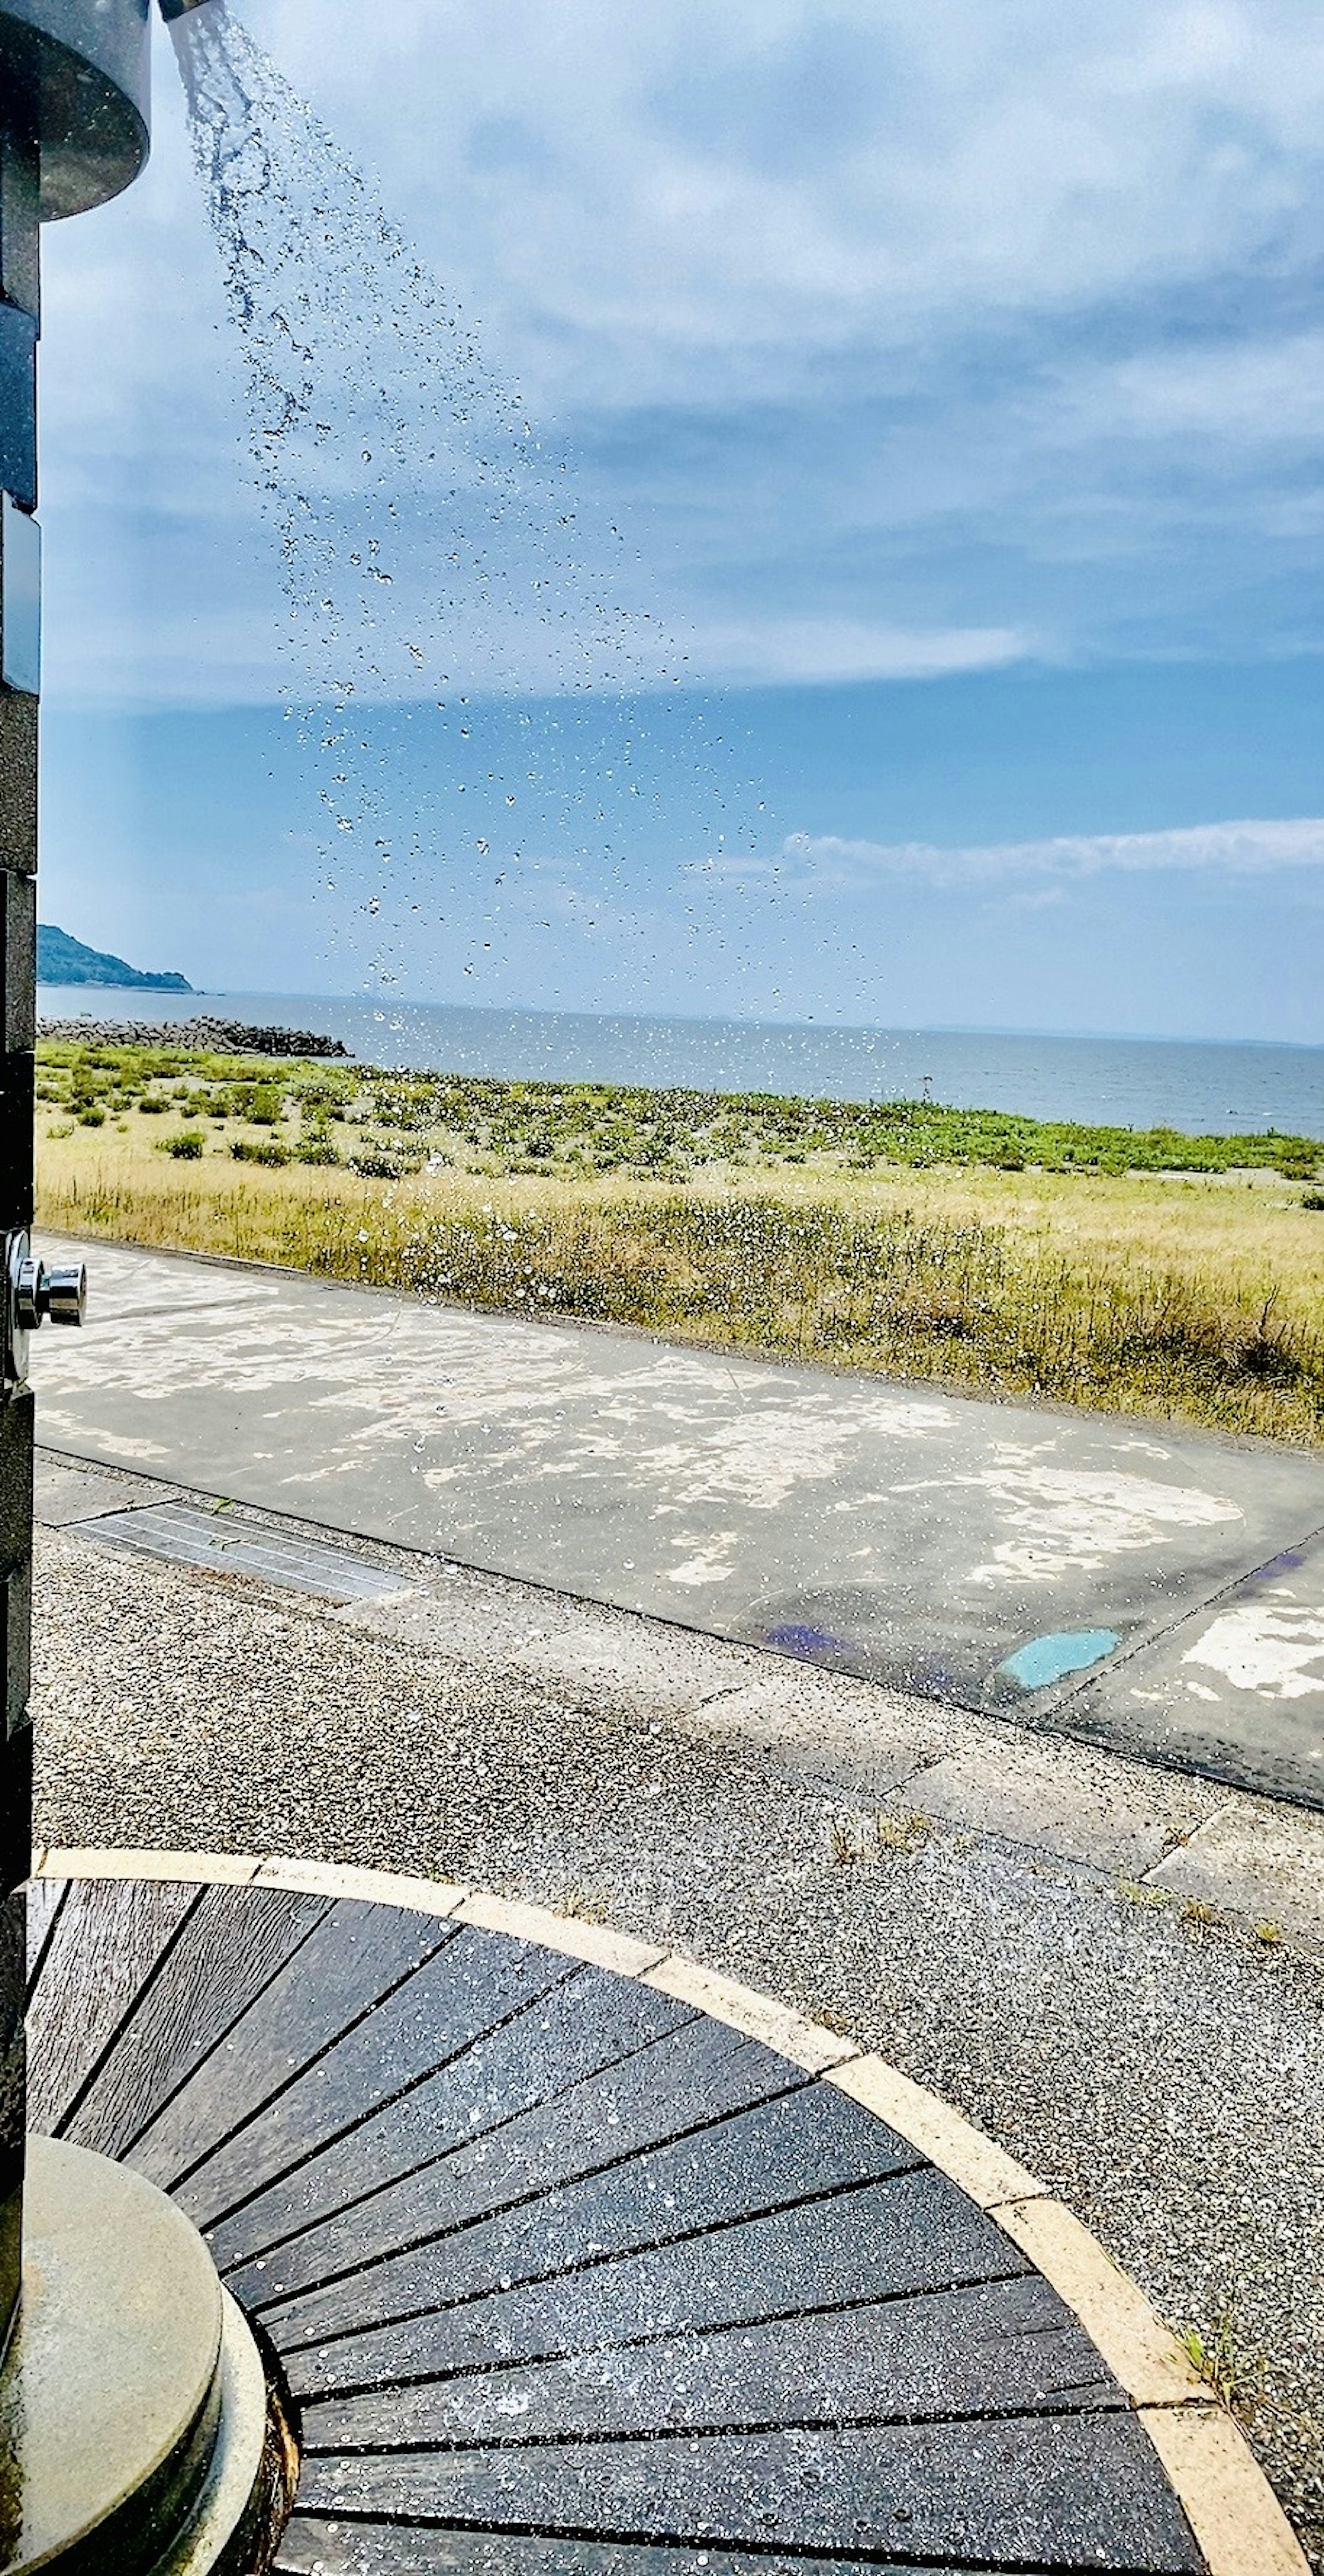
point(19, 612)
point(73, 131)
point(163, 2462)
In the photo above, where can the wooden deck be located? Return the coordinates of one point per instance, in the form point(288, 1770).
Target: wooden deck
point(567, 2278)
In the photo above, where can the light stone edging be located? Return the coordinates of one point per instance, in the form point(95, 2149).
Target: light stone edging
point(579, 1938)
point(368, 1886)
point(1239, 2525)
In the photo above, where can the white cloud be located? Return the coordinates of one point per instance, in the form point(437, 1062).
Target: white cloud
point(729, 192)
point(849, 648)
point(1257, 392)
point(904, 341)
point(1247, 849)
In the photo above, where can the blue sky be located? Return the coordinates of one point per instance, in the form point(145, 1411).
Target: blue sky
point(955, 380)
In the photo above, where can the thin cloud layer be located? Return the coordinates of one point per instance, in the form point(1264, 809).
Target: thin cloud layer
point(825, 649)
point(1230, 849)
point(736, 192)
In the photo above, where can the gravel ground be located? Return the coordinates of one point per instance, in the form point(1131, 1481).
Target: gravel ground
point(1165, 2076)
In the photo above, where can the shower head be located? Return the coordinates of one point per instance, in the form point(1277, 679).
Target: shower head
point(74, 93)
point(179, 8)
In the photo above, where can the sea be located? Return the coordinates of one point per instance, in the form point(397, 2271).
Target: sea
point(1196, 1086)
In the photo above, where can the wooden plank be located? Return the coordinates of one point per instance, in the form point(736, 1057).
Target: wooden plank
point(568, 2033)
point(1066, 2492)
point(43, 1898)
point(593, 2287)
point(792, 2149)
point(234, 1942)
point(880, 2240)
point(1004, 2348)
point(438, 2016)
point(355, 1957)
point(109, 1937)
point(315, 2547)
point(693, 2075)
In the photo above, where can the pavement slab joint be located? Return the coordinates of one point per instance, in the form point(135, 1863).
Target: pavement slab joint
point(1254, 1859)
point(1142, 2353)
point(806, 2043)
point(985, 2172)
point(1231, 2508)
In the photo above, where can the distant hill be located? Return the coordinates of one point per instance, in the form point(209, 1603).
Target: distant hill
point(62, 960)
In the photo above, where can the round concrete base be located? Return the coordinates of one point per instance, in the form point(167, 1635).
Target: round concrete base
point(132, 2398)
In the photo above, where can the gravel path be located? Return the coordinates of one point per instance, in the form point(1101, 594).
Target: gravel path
point(1164, 2075)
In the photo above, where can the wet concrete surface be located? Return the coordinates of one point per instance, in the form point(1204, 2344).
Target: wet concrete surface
point(1159, 1591)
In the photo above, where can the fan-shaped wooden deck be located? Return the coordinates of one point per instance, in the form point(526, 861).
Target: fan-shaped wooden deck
point(568, 2278)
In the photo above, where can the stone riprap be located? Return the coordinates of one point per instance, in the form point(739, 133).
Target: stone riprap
point(211, 1037)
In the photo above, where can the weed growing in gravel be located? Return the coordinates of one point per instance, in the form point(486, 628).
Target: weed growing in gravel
point(843, 1841)
point(902, 1833)
point(586, 1904)
point(853, 1838)
point(1221, 2361)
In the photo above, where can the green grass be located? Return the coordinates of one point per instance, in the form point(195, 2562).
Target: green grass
point(587, 1127)
point(1063, 1268)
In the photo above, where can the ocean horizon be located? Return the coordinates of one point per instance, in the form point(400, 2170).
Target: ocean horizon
point(1198, 1086)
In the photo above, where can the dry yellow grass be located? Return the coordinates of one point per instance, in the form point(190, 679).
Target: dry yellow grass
point(1201, 1299)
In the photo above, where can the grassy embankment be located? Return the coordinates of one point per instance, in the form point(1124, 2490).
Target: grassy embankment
point(1155, 1274)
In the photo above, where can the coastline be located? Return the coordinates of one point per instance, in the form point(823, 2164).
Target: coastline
point(1192, 1085)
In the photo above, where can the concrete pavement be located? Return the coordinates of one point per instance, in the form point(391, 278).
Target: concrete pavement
point(1162, 1593)
point(1167, 1837)
point(1157, 1592)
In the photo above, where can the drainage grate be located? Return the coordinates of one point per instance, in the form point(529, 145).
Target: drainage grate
point(226, 1546)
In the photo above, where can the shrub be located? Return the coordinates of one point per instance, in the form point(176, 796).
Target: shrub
point(91, 1117)
point(152, 1107)
point(245, 1150)
point(186, 1149)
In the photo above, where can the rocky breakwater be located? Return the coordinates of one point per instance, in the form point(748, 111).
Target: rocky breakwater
point(206, 1037)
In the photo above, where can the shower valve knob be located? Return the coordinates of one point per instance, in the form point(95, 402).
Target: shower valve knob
point(37, 1291)
point(60, 1293)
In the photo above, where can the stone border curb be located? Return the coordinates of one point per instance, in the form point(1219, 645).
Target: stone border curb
point(1239, 2525)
